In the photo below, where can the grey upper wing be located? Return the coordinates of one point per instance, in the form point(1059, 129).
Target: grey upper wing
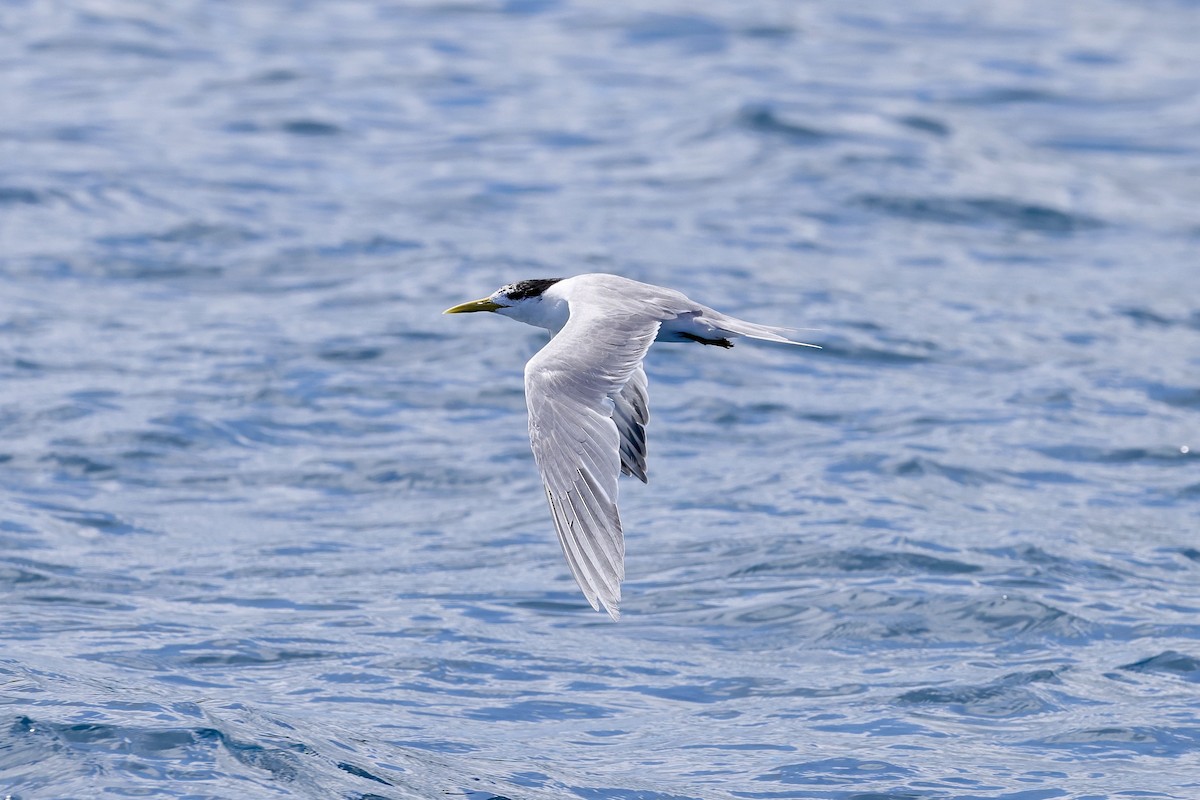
point(569, 388)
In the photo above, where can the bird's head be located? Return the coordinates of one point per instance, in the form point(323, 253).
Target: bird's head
point(518, 300)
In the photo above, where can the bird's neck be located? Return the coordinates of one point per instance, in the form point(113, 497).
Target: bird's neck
point(550, 313)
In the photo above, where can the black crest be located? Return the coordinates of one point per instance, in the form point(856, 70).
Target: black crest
point(531, 288)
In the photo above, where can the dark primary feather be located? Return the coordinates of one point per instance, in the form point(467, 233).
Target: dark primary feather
point(631, 412)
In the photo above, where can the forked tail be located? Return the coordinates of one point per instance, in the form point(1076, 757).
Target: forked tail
point(770, 333)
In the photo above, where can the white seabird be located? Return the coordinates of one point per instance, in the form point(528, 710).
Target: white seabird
point(588, 407)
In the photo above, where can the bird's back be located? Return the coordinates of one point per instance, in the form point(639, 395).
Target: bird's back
point(682, 319)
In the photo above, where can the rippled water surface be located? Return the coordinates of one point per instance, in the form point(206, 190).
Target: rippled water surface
point(269, 523)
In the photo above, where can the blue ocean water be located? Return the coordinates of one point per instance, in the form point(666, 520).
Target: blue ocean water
point(269, 523)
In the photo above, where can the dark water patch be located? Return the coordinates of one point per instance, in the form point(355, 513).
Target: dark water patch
point(356, 678)
point(614, 793)
point(1096, 143)
point(76, 466)
point(52, 756)
point(188, 430)
point(1091, 454)
point(100, 521)
point(979, 211)
point(153, 443)
point(1159, 742)
point(767, 120)
point(159, 269)
point(219, 654)
point(1018, 617)
point(117, 47)
point(1008, 95)
point(158, 743)
point(774, 748)
point(78, 599)
point(17, 195)
point(925, 125)
point(378, 245)
point(277, 75)
point(771, 32)
point(207, 233)
point(79, 133)
point(858, 560)
point(856, 618)
point(1038, 566)
point(276, 603)
point(282, 763)
point(361, 773)
point(528, 8)
point(1044, 397)
point(1039, 477)
point(835, 772)
point(719, 690)
point(1006, 697)
point(776, 613)
point(1168, 662)
point(1146, 317)
point(885, 726)
point(493, 663)
point(310, 127)
point(513, 188)
point(15, 575)
point(350, 353)
point(1178, 396)
point(567, 140)
point(1096, 58)
point(214, 234)
point(921, 466)
point(693, 33)
point(723, 413)
point(837, 347)
point(539, 711)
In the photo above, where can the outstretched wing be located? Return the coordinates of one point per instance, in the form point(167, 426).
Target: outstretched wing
point(569, 388)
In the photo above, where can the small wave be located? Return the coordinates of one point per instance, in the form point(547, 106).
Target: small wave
point(1178, 396)
point(836, 772)
point(767, 120)
point(220, 654)
point(692, 32)
point(1168, 662)
point(1148, 317)
point(1007, 95)
point(19, 195)
point(1144, 740)
point(925, 124)
point(539, 711)
point(838, 347)
point(859, 560)
point(1091, 454)
point(311, 127)
point(922, 466)
point(981, 211)
point(1007, 697)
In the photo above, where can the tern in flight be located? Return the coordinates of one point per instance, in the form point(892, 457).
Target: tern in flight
point(588, 407)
